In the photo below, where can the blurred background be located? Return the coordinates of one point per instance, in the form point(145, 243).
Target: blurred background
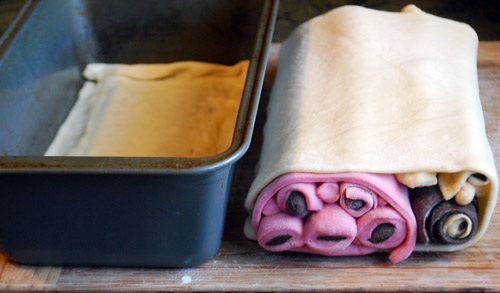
point(8, 10)
point(483, 16)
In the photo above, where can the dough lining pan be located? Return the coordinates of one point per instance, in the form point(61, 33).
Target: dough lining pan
point(116, 211)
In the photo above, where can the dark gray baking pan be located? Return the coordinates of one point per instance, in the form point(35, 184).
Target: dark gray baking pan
point(110, 211)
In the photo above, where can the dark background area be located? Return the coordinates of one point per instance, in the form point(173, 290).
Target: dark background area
point(8, 10)
point(483, 16)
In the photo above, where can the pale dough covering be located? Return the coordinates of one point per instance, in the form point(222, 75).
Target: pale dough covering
point(181, 109)
point(359, 90)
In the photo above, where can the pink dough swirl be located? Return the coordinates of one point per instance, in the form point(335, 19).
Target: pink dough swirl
point(336, 214)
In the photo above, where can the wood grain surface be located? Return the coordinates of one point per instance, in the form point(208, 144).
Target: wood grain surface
point(241, 265)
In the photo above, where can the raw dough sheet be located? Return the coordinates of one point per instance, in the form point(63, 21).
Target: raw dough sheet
point(181, 109)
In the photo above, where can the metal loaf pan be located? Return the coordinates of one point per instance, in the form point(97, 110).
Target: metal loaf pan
point(155, 212)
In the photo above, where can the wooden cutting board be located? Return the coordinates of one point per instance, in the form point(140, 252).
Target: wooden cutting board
point(242, 265)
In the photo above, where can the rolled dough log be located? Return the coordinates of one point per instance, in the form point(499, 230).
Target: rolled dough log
point(360, 90)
